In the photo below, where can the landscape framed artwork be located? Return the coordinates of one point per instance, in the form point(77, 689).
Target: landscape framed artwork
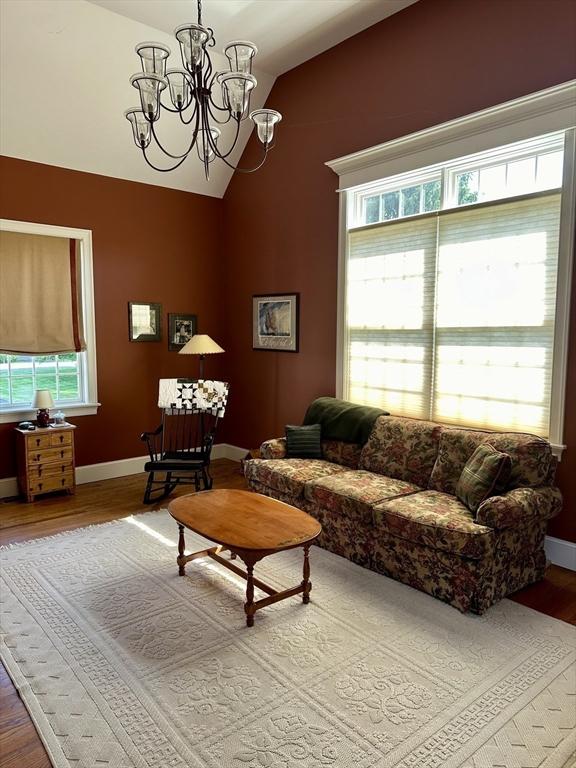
point(144, 321)
point(181, 328)
point(275, 322)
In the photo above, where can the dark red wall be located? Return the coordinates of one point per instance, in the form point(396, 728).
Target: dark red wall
point(149, 244)
point(435, 61)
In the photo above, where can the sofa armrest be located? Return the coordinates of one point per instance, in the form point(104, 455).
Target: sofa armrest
point(273, 449)
point(542, 503)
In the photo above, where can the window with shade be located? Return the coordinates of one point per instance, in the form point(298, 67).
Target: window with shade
point(450, 289)
point(47, 338)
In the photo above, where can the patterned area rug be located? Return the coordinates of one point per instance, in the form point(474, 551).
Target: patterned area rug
point(122, 663)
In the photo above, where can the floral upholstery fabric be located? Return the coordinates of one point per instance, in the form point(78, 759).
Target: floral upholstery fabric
point(404, 449)
point(435, 520)
point(530, 455)
point(353, 494)
point(288, 476)
point(273, 449)
point(346, 454)
point(381, 519)
point(518, 559)
point(520, 506)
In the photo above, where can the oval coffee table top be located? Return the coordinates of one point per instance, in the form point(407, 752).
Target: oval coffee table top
point(244, 519)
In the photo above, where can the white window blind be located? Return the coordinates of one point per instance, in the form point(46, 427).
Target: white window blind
point(451, 316)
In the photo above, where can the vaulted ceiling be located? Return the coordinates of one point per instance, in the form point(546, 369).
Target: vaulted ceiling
point(65, 67)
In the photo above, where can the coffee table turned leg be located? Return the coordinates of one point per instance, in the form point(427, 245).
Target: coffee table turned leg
point(306, 583)
point(181, 547)
point(249, 607)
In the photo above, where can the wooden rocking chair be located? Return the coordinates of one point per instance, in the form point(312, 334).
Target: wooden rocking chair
point(181, 446)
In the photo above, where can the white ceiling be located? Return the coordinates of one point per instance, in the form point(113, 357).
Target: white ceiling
point(65, 67)
point(287, 32)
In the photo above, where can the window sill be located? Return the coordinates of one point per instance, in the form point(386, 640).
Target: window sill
point(16, 415)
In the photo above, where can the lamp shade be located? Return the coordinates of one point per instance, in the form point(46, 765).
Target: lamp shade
point(201, 344)
point(42, 399)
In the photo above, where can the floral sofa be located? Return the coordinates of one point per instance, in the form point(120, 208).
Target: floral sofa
point(390, 505)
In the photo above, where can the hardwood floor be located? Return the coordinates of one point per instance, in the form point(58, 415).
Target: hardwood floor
point(111, 499)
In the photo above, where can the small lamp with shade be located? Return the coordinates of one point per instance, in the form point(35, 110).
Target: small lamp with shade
point(200, 344)
point(43, 401)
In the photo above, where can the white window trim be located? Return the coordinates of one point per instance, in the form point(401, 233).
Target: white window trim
point(89, 405)
point(553, 109)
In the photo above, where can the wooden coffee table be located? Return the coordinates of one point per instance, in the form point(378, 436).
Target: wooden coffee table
point(251, 526)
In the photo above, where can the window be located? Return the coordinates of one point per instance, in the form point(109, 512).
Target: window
point(70, 377)
point(20, 375)
point(450, 290)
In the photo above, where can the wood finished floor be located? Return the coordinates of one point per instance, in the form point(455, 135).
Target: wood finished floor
point(111, 499)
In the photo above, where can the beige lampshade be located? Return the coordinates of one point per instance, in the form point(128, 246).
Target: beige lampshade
point(42, 399)
point(200, 344)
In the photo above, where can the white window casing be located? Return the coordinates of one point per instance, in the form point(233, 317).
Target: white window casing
point(87, 359)
point(525, 118)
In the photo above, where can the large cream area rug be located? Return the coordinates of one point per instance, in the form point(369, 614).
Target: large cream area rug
point(121, 662)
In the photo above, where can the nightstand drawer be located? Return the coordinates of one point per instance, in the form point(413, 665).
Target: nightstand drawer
point(39, 471)
point(33, 442)
point(60, 438)
point(51, 483)
point(50, 455)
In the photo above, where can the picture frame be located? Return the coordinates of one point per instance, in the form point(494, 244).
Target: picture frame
point(181, 327)
point(275, 322)
point(144, 321)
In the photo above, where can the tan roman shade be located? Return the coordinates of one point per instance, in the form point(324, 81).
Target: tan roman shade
point(40, 294)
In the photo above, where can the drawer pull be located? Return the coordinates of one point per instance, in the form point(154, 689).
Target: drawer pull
point(63, 481)
point(61, 438)
point(61, 454)
point(39, 486)
point(37, 457)
point(37, 441)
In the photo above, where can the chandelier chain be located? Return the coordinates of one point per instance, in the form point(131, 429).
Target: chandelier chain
point(200, 12)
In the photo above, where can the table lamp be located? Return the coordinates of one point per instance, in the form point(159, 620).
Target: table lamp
point(201, 345)
point(43, 401)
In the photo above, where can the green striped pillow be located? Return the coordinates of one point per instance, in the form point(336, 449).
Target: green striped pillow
point(485, 474)
point(303, 442)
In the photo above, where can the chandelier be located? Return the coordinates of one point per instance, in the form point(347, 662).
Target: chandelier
point(202, 98)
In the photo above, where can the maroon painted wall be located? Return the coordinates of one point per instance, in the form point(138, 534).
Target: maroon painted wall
point(149, 244)
point(435, 61)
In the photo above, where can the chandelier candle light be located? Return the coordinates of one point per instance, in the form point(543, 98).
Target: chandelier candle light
point(194, 93)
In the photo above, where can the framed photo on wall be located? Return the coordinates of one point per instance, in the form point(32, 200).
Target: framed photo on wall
point(144, 321)
point(275, 322)
point(181, 328)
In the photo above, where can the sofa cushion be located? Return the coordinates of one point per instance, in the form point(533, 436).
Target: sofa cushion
point(347, 454)
point(485, 474)
point(404, 449)
point(353, 494)
point(288, 476)
point(435, 520)
point(530, 456)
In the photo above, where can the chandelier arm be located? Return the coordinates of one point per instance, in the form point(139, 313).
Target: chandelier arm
point(215, 148)
point(162, 170)
point(246, 170)
point(215, 118)
point(186, 153)
point(193, 114)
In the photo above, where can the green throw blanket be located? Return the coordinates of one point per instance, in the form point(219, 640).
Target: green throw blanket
point(341, 420)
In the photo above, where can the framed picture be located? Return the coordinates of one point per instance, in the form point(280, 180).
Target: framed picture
point(144, 321)
point(275, 322)
point(181, 328)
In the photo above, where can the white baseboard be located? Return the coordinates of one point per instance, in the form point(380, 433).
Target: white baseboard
point(561, 552)
point(106, 470)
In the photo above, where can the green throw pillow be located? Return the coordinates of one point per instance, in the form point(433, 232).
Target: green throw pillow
point(303, 442)
point(485, 474)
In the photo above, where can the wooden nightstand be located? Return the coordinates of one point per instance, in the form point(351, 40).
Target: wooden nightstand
point(46, 460)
